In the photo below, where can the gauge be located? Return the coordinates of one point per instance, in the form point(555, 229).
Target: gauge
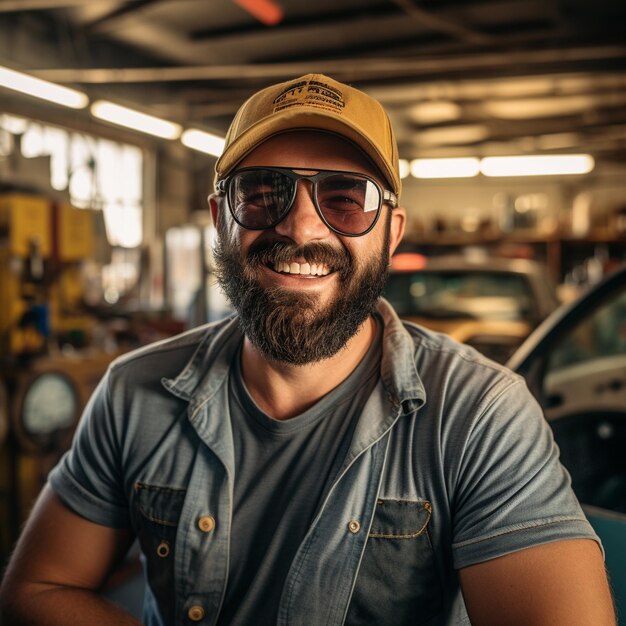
point(50, 404)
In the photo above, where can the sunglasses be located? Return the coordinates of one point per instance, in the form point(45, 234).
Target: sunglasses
point(348, 203)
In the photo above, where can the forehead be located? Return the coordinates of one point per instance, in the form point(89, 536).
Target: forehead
point(311, 150)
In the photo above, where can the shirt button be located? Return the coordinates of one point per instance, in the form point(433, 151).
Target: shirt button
point(163, 549)
point(195, 613)
point(206, 523)
point(354, 527)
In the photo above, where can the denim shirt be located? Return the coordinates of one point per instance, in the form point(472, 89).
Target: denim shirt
point(428, 486)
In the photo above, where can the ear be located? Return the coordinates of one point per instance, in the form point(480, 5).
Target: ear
point(396, 230)
point(214, 205)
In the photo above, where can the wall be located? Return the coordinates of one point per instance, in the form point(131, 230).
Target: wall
point(599, 194)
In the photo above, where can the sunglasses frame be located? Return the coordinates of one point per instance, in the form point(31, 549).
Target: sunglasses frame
point(222, 186)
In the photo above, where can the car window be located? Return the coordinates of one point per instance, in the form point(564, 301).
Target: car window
point(600, 334)
point(586, 367)
point(471, 295)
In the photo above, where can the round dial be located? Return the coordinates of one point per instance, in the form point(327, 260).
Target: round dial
point(49, 405)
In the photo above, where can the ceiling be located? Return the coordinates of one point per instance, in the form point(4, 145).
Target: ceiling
point(458, 77)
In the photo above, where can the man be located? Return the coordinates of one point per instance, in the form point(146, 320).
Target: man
point(312, 460)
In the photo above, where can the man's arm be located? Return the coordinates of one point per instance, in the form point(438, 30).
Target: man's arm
point(58, 566)
point(560, 583)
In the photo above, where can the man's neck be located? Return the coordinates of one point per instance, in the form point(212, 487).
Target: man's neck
point(282, 390)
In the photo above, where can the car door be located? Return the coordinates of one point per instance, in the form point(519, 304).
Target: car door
point(575, 364)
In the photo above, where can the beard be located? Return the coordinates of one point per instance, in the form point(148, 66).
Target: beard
point(290, 326)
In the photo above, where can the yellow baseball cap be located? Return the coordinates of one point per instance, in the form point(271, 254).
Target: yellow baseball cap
point(313, 101)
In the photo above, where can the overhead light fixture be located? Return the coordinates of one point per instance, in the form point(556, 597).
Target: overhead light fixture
point(203, 142)
point(452, 135)
point(129, 118)
point(445, 168)
point(527, 108)
point(537, 165)
point(518, 87)
point(17, 81)
point(435, 111)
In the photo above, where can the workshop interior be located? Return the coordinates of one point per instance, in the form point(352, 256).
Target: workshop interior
point(510, 117)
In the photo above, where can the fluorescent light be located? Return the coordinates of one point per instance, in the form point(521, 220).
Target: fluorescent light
point(42, 89)
point(537, 165)
point(435, 111)
point(130, 118)
point(452, 135)
point(526, 108)
point(445, 168)
point(204, 142)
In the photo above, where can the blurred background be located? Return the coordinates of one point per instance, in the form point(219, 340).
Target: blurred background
point(511, 122)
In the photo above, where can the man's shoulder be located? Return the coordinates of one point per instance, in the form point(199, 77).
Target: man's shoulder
point(432, 349)
point(438, 352)
point(168, 357)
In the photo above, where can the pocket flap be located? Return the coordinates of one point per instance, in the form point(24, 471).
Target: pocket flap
point(400, 519)
point(162, 505)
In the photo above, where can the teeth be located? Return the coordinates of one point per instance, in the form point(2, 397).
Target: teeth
point(305, 269)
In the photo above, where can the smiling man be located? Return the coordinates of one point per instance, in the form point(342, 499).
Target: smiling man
point(311, 460)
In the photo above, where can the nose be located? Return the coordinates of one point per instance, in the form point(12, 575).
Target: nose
point(303, 222)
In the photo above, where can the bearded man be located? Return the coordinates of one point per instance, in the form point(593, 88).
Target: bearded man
point(311, 460)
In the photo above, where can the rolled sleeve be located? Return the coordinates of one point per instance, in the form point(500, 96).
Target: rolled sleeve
point(513, 493)
point(87, 477)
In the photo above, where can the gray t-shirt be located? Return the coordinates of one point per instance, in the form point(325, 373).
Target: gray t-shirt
point(282, 471)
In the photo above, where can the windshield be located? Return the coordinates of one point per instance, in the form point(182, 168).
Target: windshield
point(481, 295)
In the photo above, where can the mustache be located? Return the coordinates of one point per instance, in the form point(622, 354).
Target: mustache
point(272, 252)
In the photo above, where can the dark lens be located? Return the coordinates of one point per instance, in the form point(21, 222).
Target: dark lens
point(350, 203)
point(259, 198)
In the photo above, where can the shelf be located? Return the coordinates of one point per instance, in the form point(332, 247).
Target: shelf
point(559, 252)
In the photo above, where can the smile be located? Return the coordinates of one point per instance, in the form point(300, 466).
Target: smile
point(304, 269)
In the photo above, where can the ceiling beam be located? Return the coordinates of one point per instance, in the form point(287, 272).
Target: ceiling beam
point(583, 122)
point(365, 69)
point(604, 90)
point(338, 16)
point(442, 24)
point(111, 18)
point(479, 89)
point(11, 6)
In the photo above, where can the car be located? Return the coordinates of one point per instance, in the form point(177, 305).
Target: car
point(492, 304)
point(575, 365)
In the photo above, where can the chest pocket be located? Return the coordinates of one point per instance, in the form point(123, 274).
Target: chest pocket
point(397, 582)
point(157, 510)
